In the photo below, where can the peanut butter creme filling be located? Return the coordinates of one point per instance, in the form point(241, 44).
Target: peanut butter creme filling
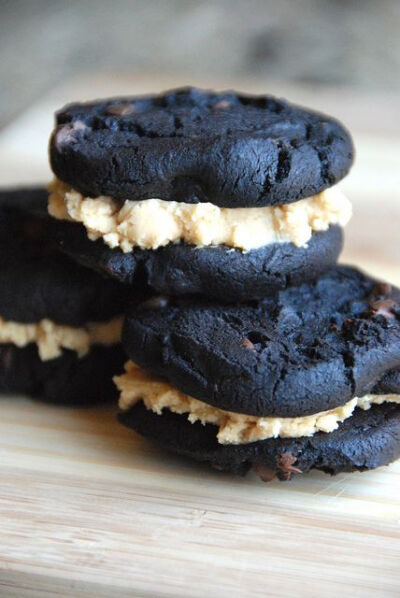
point(153, 223)
point(52, 338)
point(233, 428)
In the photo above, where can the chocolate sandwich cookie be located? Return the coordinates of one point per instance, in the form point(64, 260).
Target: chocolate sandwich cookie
point(367, 440)
point(60, 323)
point(195, 192)
point(268, 377)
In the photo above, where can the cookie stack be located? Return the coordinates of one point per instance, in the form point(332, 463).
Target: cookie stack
point(253, 348)
point(60, 324)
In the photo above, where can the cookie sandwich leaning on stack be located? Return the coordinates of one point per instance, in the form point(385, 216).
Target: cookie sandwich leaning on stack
point(60, 324)
point(256, 350)
point(309, 378)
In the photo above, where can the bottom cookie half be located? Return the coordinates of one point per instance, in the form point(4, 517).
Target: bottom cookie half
point(67, 380)
point(365, 441)
point(214, 271)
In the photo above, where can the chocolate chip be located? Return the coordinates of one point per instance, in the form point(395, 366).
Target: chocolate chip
point(158, 302)
point(222, 105)
point(247, 344)
point(382, 288)
point(347, 323)
point(79, 125)
point(286, 465)
point(63, 135)
point(120, 109)
point(264, 472)
point(383, 307)
point(66, 133)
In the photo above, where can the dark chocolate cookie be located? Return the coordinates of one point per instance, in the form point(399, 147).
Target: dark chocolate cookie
point(194, 146)
point(366, 440)
point(65, 380)
point(221, 272)
point(307, 349)
point(36, 280)
point(388, 384)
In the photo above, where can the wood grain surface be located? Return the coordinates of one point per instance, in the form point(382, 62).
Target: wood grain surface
point(89, 509)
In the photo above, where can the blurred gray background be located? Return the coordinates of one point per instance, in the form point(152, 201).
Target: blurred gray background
point(313, 42)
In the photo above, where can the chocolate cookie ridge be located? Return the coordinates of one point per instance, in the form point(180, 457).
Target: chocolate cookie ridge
point(190, 145)
point(306, 350)
point(216, 271)
point(367, 440)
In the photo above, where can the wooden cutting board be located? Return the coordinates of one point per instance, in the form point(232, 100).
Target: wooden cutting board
point(89, 509)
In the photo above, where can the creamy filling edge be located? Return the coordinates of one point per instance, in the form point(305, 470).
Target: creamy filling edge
point(51, 338)
point(154, 223)
point(234, 428)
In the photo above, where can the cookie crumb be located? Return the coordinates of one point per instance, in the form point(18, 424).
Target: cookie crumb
point(286, 465)
point(247, 344)
point(158, 302)
point(382, 288)
point(383, 307)
point(120, 109)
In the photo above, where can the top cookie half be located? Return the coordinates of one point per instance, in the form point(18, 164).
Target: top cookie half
point(192, 146)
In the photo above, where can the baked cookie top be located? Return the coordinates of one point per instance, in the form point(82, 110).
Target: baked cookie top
point(191, 145)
